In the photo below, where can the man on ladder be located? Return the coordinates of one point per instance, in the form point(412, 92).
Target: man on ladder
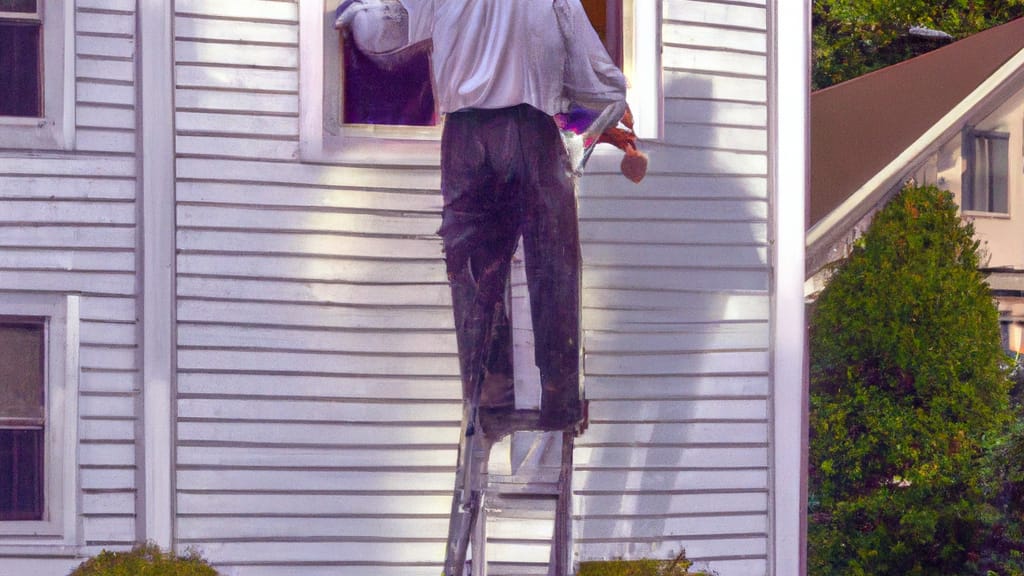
point(502, 70)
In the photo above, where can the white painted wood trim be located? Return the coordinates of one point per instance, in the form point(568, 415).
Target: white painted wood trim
point(72, 520)
point(881, 182)
point(642, 63)
point(62, 522)
point(788, 125)
point(65, 115)
point(156, 162)
point(311, 79)
point(359, 145)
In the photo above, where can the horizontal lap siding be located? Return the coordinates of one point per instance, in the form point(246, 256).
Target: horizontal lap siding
point(68, 225)
point(676, 313)
point(318, 388)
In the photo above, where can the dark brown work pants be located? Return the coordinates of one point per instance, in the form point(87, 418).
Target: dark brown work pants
point(505, 174)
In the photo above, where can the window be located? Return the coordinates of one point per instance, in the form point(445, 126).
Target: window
point(372, 94)
point(344, 117)
point(38, 419)
point(986, 181)
point(606, 17)
point(402, 94)
point(36, 74)
point(22, 418)
point(20, 66)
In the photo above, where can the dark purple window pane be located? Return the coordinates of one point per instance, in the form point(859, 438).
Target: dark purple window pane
point(20, 82)
point(401, 95)
point(18, 6)
point(21, 474)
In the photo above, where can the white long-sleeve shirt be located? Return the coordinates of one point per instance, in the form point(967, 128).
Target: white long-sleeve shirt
point(500, 53)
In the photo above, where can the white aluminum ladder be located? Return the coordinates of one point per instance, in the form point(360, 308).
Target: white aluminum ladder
point(474, 493)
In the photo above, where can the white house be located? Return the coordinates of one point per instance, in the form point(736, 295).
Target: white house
point(225, 325)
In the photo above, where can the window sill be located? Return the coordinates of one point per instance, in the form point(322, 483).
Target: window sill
point(990, 215)
point(376, 151)
point(31, 529)
point(31, 134)
point(36, 549)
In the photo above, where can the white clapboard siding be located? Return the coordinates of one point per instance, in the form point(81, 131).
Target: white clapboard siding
point(318, 388)
point(55, 187)
point(238, 102)
point(68, 225)
point(676, 313)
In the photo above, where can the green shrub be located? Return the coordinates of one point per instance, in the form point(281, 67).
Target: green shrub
point(908, 387)
point(678, 566)
point(145, 560)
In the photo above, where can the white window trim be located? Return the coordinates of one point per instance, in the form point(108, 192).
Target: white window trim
point(55, 130)
point(60, 524)
point(969, 157)
point(410, 145)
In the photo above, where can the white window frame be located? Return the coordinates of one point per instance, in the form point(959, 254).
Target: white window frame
point(418, 145)
point(55, 129)
point(969, 156)
point(60, 523)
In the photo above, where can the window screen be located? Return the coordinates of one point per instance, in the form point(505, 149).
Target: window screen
point(22, 418)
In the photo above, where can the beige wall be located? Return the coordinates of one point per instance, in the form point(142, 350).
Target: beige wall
point(1000, 234)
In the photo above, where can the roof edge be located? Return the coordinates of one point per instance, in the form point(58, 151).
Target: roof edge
point(849, 210)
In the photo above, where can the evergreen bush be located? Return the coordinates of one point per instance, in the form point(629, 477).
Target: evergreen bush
point(144, 560)
point(908, 384)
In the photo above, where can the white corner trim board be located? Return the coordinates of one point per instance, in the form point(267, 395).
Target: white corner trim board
point(789, 106)
point(156, 200)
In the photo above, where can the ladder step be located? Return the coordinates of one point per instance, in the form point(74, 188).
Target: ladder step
point(512, 509)
point(516, 569)
point(513, 488)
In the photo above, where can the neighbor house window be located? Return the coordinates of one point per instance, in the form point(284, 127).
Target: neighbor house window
point(22, 417)
point(38, 419)
point(37, 74)
point(21, 69)
point(986, 183)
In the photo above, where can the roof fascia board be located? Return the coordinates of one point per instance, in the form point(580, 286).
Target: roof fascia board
point(855, 206)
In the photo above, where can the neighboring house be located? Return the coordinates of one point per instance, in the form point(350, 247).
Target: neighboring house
point(953, 117)
point(225, 323)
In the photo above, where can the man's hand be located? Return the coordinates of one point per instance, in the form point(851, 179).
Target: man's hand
point(605, 129)
point(347, 10)
point(608, 118)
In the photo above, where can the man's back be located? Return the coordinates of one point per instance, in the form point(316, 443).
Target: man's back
point(492, 53)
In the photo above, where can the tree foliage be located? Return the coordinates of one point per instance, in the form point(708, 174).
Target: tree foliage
point(908, 384)
point(853, 37)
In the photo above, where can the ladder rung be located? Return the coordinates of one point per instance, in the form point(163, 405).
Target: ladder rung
point(520, 509)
